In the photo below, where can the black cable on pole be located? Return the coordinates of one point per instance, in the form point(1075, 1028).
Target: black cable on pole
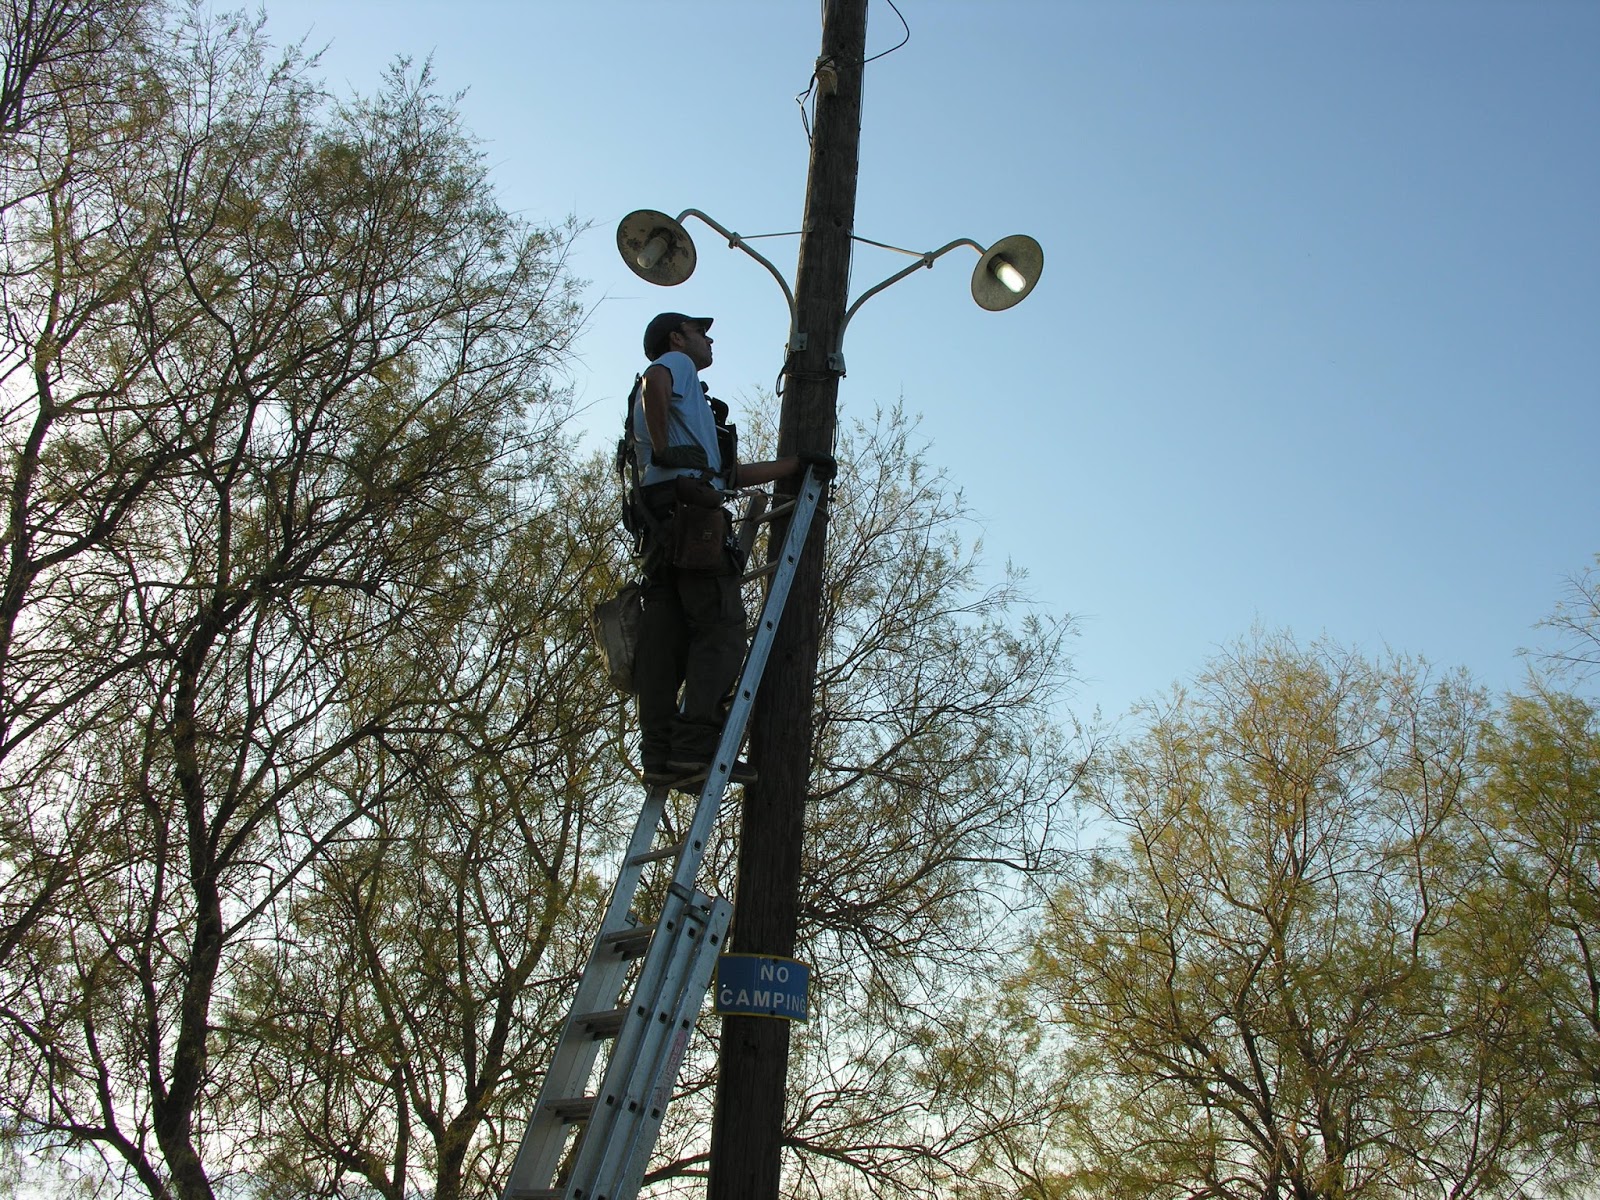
point(904, 25)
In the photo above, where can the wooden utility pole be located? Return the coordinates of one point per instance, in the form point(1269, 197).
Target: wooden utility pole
point(747, 1129)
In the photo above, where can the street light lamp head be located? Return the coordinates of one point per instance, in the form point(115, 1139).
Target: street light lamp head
point(1007, 272)
point(656, 247)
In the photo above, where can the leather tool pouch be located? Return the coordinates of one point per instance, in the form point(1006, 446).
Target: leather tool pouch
point(700, 528)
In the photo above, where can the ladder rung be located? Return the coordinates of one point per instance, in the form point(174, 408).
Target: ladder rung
point(630, 943)
point(656, 855)
point(605, 1023)
point(777, 510)
point(758, 573)
point(574, 1108)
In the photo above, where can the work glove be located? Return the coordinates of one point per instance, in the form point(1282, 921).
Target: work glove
point(824, 466)
point(687, 455)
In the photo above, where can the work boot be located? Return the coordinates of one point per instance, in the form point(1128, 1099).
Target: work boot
point(695, 772)
point(659, 775)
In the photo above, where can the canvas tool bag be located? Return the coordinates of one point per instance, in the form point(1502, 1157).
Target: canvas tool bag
point(617, 624)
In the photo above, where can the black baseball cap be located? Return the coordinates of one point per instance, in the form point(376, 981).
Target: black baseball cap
point(657, 333)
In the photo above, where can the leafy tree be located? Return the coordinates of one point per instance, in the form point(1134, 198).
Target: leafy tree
point(398, 1030)
point(265, 358)
point(52, 48)
point(1535, 939)
point(1576, 620)
point(1259, 993)
point(60, 136)
point(1538, 906)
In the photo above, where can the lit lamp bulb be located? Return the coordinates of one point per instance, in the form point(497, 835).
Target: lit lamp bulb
point(654, 249)
point(1008, 275)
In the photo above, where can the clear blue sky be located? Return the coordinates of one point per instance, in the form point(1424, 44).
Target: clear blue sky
point(1318, 339)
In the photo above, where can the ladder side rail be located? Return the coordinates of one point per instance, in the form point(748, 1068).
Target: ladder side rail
point(626, 1164)
point(620, 905)
point(633, 1079)
point(672, 925)
point(573, 1060)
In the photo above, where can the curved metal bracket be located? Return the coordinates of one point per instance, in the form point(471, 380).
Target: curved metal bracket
point(738, 243)
point(836, 359)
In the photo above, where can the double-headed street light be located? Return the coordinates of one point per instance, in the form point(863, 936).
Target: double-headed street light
point(659, 250)
point(747, 1122)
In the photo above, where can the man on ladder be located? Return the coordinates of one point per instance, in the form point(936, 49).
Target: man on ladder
point(693, 635)
point(646, 980)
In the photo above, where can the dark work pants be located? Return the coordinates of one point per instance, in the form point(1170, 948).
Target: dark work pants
point(693, 639)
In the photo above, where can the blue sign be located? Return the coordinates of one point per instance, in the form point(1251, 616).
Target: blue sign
point(758, 985)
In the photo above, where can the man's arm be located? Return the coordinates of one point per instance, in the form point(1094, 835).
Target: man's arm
point(755, 474)
point(657, 402)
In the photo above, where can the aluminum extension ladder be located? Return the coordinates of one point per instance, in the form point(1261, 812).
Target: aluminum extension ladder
point(649, 1032)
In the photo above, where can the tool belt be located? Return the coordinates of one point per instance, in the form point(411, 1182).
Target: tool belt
point(693, 531)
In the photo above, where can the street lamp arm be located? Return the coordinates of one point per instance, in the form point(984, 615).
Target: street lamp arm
point(738, 243)
point(926, 260)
